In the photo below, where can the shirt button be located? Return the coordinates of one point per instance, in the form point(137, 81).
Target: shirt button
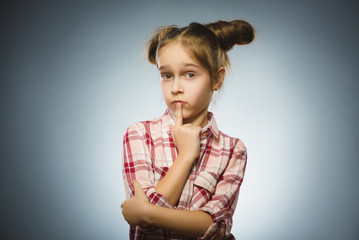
point(225, 212)
point(191, 177)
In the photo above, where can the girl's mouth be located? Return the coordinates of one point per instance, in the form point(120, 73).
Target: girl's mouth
point(178, 101)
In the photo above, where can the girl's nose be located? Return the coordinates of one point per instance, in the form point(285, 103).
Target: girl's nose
point(176, 87)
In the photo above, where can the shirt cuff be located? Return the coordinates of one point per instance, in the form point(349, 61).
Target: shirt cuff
point(158, 199)
point(218, 228)
point(211, 232)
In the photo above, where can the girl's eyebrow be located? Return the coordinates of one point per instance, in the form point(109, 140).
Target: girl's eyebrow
point(162, 67)
point(184, 65)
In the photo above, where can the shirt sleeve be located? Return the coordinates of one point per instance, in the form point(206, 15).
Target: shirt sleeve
point(137, 165)
point(225, 194)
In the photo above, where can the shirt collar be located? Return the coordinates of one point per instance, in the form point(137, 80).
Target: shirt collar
point(169, 118)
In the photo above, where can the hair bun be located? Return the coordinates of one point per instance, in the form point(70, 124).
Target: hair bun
point(231, 33)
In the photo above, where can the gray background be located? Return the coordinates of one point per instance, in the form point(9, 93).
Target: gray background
point(74, 77)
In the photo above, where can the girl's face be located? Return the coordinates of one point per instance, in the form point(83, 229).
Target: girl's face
point(184, 80)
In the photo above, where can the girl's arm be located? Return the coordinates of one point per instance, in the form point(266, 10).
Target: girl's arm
point(185, 222)
point(138, 211)
point(187, 140)
point(171, 185)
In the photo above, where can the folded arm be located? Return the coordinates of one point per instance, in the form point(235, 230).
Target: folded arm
point(138, 211)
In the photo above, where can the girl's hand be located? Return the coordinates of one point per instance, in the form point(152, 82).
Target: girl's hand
point(134, 209)
point(185, 137)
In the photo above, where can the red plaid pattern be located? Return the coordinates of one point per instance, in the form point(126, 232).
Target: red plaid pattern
point(213, 183)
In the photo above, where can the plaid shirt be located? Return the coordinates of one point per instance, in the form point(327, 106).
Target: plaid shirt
point(213, 182)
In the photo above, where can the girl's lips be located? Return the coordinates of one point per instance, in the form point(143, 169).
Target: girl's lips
point(175, 102)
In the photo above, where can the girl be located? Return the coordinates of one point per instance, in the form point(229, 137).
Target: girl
point(182, 175)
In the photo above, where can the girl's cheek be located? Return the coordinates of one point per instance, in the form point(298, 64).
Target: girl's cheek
point(194, 96)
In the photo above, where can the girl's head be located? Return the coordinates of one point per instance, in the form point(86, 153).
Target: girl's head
point(206, 43)
point(192, 60)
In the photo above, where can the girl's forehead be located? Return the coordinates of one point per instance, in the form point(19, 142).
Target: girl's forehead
point(171, 48)
point(174, 54)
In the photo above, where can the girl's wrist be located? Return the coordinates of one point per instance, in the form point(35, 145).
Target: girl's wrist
point(147, 214)
point(186, 159)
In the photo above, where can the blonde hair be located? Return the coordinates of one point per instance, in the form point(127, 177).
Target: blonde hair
point(206, 43)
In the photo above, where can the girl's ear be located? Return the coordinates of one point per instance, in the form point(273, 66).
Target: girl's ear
point(221, 74)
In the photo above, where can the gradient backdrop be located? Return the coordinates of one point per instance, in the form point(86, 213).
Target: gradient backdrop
point(74, 77)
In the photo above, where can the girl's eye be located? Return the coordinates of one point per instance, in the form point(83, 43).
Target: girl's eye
point(190, 75)
point(166, 76)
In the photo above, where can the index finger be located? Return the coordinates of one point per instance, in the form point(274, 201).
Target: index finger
point(179, 120)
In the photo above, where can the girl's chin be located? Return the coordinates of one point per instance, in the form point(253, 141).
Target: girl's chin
point(185, 113)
